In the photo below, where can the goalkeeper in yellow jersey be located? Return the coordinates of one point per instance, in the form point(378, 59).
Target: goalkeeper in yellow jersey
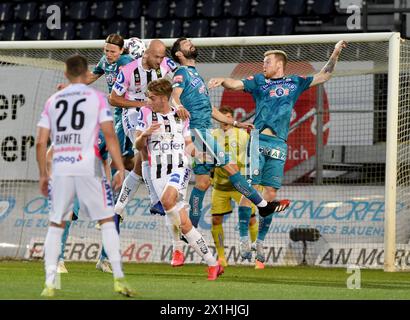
point(235, 141)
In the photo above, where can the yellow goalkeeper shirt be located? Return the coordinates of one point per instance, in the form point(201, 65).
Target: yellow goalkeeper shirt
point(235, 141)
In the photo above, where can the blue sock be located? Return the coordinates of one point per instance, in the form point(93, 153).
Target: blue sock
point(76, 209)
point(64, 239)
point(244, 217)
point(103, 255)
point(117, 222)
point(240, 184)
point(264, 224)
point(195, 201)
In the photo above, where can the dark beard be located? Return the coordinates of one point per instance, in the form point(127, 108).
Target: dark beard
point(191, 55)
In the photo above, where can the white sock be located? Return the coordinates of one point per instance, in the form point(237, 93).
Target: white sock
point(177, 243)
point(131, 183)
point(197, 242)
point(52, 246)
point(146, 174)
point(111, 242)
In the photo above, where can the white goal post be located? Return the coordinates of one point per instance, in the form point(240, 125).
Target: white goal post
point(356, 159)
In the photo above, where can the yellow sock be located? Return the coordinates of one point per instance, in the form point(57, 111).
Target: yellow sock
point(218, 235)
point(253, 230)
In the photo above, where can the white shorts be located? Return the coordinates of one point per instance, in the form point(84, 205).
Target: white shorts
point(178, 179)
point(94, 195)
point(129, 122)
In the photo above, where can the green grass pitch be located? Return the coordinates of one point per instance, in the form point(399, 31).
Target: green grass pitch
point(24, 280)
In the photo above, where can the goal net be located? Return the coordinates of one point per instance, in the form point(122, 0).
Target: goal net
point(344, 206)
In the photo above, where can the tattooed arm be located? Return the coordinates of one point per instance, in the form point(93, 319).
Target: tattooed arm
point(326, 73)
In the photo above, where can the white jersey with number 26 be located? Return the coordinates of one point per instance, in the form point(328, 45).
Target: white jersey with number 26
point(73, 116)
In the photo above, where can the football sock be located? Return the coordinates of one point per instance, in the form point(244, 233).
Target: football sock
point(111, 242)
point(64, 239)
point(131, 183)
point(197, 242)
point(244, 214)
point(52, 246)
point(218, 235)
point(146, 174)
point(264, 224)
point(240, 184)
point(195, 201)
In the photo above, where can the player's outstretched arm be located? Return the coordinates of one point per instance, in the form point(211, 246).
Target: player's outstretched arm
point(227, 83)
point(121, 102)
point(41, 156)
point(114, 149)
point(182, 112)
point(326, 73)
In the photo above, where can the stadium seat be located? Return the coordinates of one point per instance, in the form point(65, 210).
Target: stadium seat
point(42, 9)
point(253, 27)
point(26, 11)
point(134, 29)
point(119, 27)
point(6, 12)
point(79, 10)
point(37, 31)
point(279, 26)
point(13, 31)
point(211, 8)
point(130, 10)
point(267, 8)
point(67, 32)
point(226, 28)
point(169, 29)
point(323, 7)
point(198, 28)
point(239, 8)
point(185, 9)
point(157, 9)
point(294, 7)
point(90, 31)
point(104, 10)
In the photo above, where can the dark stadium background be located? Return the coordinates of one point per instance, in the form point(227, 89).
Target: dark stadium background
point(26, 20)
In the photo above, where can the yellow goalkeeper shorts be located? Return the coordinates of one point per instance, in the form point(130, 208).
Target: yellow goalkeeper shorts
point(222, 201)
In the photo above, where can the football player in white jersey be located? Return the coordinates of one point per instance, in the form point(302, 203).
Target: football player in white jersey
point(72, 118)
point(129, 93)
point(167, 139)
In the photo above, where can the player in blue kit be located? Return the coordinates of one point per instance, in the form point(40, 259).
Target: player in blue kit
point(275, 95)
point(191, 99)
point(114, 58)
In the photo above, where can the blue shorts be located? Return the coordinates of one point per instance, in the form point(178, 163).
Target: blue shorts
point(125, 142)
point(205, 142)
point(270, 165)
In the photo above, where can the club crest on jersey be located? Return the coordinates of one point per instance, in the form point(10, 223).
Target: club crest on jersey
point(120, 78)
point(279, 92)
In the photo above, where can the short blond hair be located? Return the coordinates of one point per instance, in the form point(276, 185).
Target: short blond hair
point(282, 54)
